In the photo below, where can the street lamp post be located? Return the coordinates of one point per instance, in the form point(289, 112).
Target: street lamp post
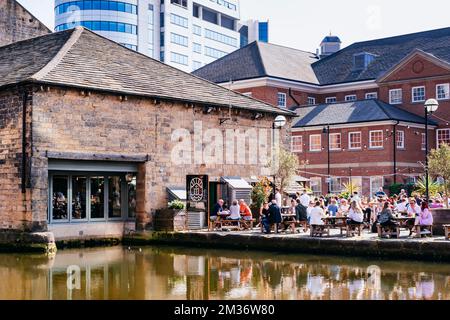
point(278, 124)
point(430, 106)
point(327, 131)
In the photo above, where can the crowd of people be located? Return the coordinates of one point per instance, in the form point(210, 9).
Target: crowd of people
point(357, 210)
point(360, 210)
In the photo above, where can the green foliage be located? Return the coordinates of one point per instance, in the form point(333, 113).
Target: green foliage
point(349, 189)
point(287, 168)
point(433, 187)
point(396, 188)
point(176, 205)
point(260, 193)
point(439, 166)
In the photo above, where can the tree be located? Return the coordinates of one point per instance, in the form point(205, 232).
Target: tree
point(287, 168)
point(439, 166)
point(260, 193)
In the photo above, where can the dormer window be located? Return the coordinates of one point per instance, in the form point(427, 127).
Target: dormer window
point(362, 60)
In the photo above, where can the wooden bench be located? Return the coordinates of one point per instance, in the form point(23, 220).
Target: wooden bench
point(237, 225)
point(388, 231)
point(302, 225)
point(447, 231)
point(320, 230)
point(352, 229)
point(423, 231)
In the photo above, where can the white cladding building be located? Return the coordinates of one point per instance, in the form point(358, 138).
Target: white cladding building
point(186, 34)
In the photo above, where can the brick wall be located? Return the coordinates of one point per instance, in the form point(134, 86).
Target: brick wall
point(66, 121)
point(17, 24)
point(15, 206)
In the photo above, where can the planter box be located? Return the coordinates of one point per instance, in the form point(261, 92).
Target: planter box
point(170, 220)
point(440, 217)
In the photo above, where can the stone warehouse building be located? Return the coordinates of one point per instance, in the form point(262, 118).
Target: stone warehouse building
point(86, 134)
point(368, 96)
point(16, 23)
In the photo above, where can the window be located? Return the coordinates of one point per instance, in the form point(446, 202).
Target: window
point(96, 5)
point(396, 96)
point(315, 142)
point(330, 100)
point(196, 10)
point(297, 144)
point(443, 136)
point(423, 142)
point(443, 91)
point(337, 184)
point(418, 94)
point(178, 39)
point(179, 58)
point(197, 65)
point(182, 3)
point(197, 48)
point(214, 53)
point(375, 184)
point(316, 185)
point(372, 95)
point(354, 140)
point(350, 98)
point(376, 139)
point(76, 197)
point(178, 20)
point(335, 141)
point(197, 30)
point(362, 60)
point(101, 26)
point(219, 37)
point(311, 101)
point(282, 99)
point(210, 16)
point(400, 139)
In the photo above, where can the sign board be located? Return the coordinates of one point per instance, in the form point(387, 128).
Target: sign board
point(197, 188)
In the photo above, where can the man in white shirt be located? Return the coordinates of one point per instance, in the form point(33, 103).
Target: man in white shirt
point(305, 199)
point(278, 197)
point(402, 206)
point(317, 214)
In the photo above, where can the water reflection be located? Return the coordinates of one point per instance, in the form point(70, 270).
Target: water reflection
point(174, 273)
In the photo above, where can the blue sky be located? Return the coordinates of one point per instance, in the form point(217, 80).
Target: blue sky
point(302, 24)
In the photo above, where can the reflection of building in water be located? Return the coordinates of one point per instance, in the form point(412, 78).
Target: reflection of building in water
point(175, 274)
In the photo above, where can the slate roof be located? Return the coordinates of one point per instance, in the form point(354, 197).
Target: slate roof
point(80, 58)
point(331, 39)
point(338, 67)
point(353, 112)
point(267, 60)
point(259, 59)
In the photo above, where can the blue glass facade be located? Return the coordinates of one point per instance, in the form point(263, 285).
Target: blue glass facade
point(264, 31)
point(96, 5)
point(100, 26)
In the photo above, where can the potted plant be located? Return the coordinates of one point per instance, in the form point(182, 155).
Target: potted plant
point(173, 218)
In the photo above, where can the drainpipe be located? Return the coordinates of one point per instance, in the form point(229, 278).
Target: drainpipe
point(24, 140)
point(293, 98)
point(395, 150)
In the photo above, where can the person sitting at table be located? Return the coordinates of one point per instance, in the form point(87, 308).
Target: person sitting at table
point(218, 208)
point(343, 208)
point(425, 218)
point(355, 214)
point(245, 211)
point(386, 218)
point(235, 211)
point(273, 217)
point(292, 208)
point(380, 193)
point(333, 208)
point(317, 214)
point(301, 211)
point(309, 209)
point(402, 206)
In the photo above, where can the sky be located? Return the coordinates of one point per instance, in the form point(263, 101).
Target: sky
point(302, 24)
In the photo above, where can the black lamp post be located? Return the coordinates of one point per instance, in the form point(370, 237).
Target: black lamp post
point(430, 106)
point(326, 131)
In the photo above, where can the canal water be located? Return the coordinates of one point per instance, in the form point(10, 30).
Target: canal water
point(177, 273)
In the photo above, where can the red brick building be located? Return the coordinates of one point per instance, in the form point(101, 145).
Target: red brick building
point(369, 95)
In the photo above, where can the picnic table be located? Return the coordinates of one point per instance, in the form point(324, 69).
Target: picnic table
point(406, 223)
